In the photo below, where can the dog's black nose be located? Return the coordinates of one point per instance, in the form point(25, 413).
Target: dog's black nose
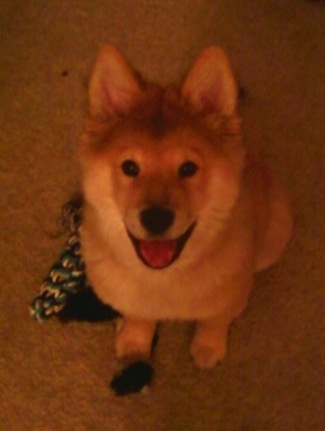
point(156, 220)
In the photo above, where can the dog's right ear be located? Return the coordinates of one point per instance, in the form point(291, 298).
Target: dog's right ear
point(113, 88)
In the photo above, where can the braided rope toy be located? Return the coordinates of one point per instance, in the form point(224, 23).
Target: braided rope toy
point(67, 275)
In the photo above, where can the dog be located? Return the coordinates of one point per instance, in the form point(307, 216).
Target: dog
point(177, 216)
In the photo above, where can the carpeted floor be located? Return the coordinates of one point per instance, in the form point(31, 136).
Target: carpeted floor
point(55, 377)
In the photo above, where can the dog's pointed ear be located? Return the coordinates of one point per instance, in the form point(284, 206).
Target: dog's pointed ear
point(210, 84)
point(113, 87)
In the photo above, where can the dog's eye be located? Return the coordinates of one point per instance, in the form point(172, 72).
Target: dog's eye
point(187, 169)
point(130, 168)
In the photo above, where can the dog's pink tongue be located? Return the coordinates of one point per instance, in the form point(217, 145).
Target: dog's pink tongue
point(158, 254)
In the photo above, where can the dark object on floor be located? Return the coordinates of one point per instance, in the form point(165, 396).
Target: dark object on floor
point(132, 379)
point(85, 306)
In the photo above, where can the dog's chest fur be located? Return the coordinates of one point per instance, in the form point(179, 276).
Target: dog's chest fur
point(202, 282)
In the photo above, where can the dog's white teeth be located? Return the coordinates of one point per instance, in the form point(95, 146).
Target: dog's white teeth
point(158, 254)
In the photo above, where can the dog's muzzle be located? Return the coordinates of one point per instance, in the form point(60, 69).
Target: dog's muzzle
point(159, 253)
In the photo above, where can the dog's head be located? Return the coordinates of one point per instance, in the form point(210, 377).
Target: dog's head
point(161, 167)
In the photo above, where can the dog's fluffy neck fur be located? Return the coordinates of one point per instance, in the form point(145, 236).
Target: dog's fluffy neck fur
point(132, 283)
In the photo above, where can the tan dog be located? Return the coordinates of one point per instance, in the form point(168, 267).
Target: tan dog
point(177, 216)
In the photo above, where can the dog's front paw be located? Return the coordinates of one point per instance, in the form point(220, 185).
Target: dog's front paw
point(206, 356)
point(132, 347)
point(134, 339)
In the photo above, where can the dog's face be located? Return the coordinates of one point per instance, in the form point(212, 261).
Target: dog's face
point(157, 187)
point(155, 169)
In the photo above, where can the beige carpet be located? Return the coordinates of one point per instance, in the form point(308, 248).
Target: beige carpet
point(55, 377)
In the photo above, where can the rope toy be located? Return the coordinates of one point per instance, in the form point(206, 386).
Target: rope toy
point(67, 275)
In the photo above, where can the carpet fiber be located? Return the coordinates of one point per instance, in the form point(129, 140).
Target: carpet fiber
point(54, 376)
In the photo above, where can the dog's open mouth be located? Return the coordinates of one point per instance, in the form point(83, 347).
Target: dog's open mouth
point(158, 254)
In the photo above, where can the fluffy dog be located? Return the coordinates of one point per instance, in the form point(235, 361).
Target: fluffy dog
point(177, 216)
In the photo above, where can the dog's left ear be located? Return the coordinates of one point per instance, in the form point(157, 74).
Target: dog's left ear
point(113, 88)
point(210, 85)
